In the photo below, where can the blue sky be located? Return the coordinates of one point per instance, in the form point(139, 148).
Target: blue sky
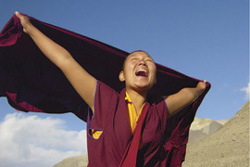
point(203, 39)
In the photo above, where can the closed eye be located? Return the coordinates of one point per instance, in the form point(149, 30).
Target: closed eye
point(149, 60)
point(134, 59)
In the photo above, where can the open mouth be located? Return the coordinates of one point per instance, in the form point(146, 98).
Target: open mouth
point(141, 73)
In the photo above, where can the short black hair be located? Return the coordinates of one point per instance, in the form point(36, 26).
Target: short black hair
point(139, 51)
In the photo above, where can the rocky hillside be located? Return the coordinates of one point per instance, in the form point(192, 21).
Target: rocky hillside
point(202, 128)
point(211, 143)
point(79, 161)
point(227, 147)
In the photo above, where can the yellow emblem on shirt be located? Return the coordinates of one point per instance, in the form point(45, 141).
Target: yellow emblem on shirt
point(133, 117)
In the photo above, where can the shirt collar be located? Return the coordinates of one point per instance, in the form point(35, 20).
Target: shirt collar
point(127, 98)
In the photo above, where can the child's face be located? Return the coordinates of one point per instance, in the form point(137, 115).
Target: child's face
point(139, 72)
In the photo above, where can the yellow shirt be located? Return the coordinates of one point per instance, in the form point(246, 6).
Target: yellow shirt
point(133, 117)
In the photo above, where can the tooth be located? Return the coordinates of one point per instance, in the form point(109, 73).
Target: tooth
point(139, 70)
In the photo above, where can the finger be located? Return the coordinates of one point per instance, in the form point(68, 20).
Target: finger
point(205, 83)
point(18, 15)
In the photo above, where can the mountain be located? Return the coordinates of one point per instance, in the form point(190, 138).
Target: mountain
point(227, 147)
point(79, 161)
point(211, 143)
point(202, 128)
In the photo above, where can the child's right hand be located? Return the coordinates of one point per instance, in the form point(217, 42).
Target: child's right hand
point(24, 21)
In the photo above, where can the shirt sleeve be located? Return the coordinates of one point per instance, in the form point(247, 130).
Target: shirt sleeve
point(104, 103)
point(163, 112)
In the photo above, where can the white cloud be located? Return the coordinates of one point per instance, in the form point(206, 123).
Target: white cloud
point(247, 90)
point(37, 142)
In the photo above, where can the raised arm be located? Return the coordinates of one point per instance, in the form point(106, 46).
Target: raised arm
point(80, 79)
point(183, 98)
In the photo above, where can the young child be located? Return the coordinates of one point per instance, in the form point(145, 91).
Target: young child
point(114, 115)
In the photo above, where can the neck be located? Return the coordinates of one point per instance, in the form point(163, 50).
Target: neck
point(137, 98)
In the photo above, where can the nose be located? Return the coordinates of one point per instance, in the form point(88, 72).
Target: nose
point(142, 63)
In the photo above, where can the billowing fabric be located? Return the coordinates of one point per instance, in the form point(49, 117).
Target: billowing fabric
point(31, 82)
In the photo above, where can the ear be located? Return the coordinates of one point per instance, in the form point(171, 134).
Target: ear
point(121, 76)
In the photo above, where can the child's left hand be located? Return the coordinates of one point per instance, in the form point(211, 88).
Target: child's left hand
point(201, 86)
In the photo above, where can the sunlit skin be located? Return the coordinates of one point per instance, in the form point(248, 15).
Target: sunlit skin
point(139, 72)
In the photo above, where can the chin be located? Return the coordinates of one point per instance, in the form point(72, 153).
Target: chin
point(143, 88)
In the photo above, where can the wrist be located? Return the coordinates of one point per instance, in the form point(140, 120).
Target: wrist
point(30, 29)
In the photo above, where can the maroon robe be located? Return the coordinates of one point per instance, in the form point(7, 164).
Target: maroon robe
point(111, 116)
point(31, 82)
